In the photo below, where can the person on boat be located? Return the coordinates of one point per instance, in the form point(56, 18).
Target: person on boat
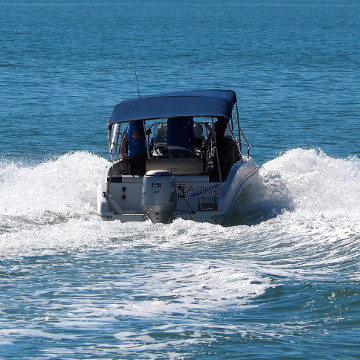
point(180, 136)
point(199, 138)
point(227, 153)
point(133, 148)
point(162, 133)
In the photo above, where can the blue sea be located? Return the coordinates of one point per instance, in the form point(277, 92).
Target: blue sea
point(282, 281)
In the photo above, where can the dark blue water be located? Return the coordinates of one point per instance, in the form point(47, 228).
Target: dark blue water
point(281, 283)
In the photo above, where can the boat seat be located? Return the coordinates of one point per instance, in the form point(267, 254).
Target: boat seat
point(178, 166)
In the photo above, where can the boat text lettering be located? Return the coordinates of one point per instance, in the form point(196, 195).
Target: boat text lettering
point(193, 190)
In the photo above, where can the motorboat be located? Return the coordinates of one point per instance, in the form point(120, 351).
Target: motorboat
point(189, 183)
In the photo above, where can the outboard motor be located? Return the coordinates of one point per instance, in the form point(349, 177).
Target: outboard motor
point(159, 196)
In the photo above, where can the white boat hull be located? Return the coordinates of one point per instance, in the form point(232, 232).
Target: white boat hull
point(199, 198)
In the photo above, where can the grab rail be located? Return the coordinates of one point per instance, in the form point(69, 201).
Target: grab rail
point(246, 142)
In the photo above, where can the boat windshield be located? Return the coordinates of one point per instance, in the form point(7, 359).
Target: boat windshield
point(158, 138)
point(161, 152)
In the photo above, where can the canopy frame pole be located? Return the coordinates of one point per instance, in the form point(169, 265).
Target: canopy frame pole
point(109, 140)
point(147, 140)
point(238, 125)
point(216, 152)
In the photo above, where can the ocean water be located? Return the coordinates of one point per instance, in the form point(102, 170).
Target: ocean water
point(282, 281)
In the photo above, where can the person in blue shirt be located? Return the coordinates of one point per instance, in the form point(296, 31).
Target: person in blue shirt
point(134, 141)
point(180, 136)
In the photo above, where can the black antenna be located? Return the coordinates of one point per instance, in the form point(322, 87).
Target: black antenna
point(137, 84)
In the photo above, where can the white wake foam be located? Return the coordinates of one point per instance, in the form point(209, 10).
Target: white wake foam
point(65, 186)
point(299, 180)
point(306, 182)
point(316, 182)
point(307, 205)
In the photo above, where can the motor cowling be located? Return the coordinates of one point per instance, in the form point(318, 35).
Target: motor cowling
point(159, 196)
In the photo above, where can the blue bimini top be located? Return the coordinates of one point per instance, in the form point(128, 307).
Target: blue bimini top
point(213, 102)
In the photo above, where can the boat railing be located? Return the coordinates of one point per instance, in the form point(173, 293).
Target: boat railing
point(245, 142)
